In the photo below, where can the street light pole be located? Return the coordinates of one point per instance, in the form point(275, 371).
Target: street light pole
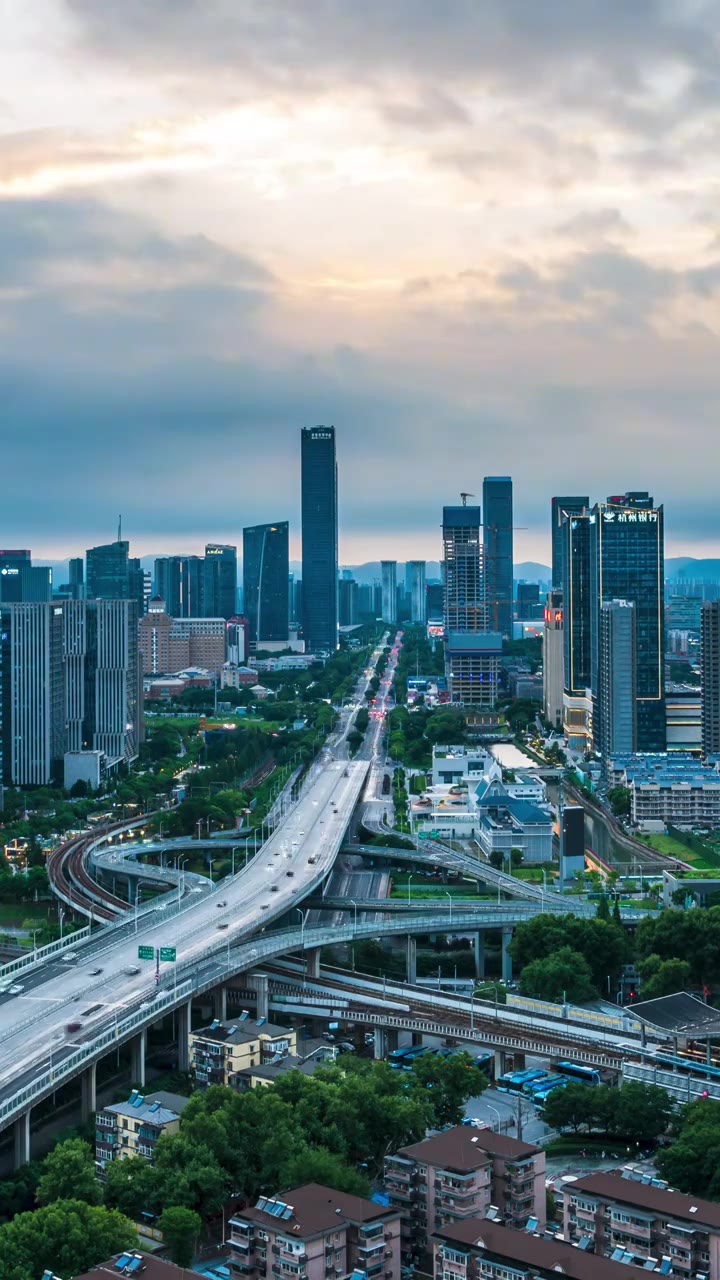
point(354, 904)
point(449, 898)
point(409, 883)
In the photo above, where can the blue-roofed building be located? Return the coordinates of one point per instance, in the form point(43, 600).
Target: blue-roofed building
point(501, 816)
point(132, 1128)
point(674, 788)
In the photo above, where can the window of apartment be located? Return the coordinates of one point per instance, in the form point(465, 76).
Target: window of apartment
point(452, 1255)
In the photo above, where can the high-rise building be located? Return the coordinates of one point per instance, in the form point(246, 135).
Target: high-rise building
point(527, 601)
point(498, 541)
point(415, 585)
point(220, 581)
point(464, 594)
point(77, 578)
point(180, 580)
point(627, 563)
point(388, 571)
point(710, 667)
point(560, 508)
point(615, 718)
point(137, 585)
point(103, 704)
point(319, 539)
point(168, 645)
point(434, 596)
point(266, 568)
point(576, 592)
point(348, 601)
point(107, 571)
point(553, 659)
point(21, 580)
point(237, 642)
point(33, 697)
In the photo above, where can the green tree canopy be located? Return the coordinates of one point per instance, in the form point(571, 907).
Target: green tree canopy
point(66, 1237)
point(563, 974)
point(180, 1228)
point(69, 1174)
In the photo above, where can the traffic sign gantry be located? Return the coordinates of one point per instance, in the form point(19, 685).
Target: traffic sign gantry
point(146, 953)
point(168, 953)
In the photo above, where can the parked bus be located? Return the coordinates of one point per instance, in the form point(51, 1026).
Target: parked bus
point(544, 1087)
point(513, 1081)
point(586, 1075)
point(396, 1058)
point(485, 1060)
point(539, 1099)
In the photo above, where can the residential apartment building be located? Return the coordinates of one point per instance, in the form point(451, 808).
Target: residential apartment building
point(476, 1250)
point(645, 1219)
point(173, 644)
point(673, 788)
point(464, 1173)
point(710, 665)
point(388, 574)
point(132, 1128)
point(220, 1052)
point(315, 1233)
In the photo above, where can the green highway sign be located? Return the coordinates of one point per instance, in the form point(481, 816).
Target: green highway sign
point(146, 953)
point(168, 953)
point(422, 835)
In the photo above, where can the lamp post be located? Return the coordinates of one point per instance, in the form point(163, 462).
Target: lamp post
point(409, 883)
point(354, 904)
point(181, 878)
point(35, 932)
point(449, 898)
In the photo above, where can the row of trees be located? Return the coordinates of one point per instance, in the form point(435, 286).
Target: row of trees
point(692, 1160)
point(569, 957)
point(634, 1113)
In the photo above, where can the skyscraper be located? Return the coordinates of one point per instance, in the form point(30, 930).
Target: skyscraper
point(576, 592)
point(319, 539)
point(627, 563)
point(266, 568)
point(221, 576)
point(180, 581)
point(559, 508)
point(348, 606)
point(388, 573)
point(103, 708)
point(615, 721)
point(710, 667)
point(21, 580)
point(472, 651)
point(107, 571)
point(77, 577)
point(33, 696)
point(415, 580)
point(498, 540)
point(553, 659)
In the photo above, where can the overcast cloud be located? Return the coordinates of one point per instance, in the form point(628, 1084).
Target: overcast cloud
point(478, 238)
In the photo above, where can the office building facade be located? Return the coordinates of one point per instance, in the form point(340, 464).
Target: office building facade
point(107, 571)
point(266, 570)
point(23, 582)
point(388, 573)
point(561, 508)
point(33, 696)
point(553, 665)
point(627, 563)
point(498, 542)
point(103, 704)
point(615, 719)
point(348, 602)
point(710, 667)
point(180, 580)
point(168, 645)
point(415, 580)
point(576, 591)
point(319, 539)
point(463, 588)
point(76, 573)
point(220, 581)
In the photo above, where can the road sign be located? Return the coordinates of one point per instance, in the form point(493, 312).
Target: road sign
point(168, 953)
point(422, 835)
point(146, 953)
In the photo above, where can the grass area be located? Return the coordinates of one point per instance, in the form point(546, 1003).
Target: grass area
point(14, 914)
point(531, 875)
point(437, 892)
point(675, 849)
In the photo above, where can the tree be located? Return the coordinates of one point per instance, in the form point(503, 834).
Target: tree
point(564, 975)
point(451, 1081)
point(130, 1186)
point(66, 1237)
point(569, 1108)
point(663, 977)
point(180, 1228)
point(317, 1164)
point(641, 1112)
point(619, 799)
point(69, 1174)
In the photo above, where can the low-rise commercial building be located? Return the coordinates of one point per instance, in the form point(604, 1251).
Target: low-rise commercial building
point(501, 816)
point(314, 1233)
point(455, 764)
point(223, 1051)
point(132, 1128)
point(476, 1250)
point(674, 788)
point(464, 1173)
point(232, 677)
point(644, 1218)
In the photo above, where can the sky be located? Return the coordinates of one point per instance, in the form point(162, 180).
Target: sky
point(480, 237)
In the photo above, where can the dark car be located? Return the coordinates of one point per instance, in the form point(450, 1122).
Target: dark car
point(73, 1026)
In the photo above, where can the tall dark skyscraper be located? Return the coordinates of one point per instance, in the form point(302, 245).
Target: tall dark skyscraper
point(576, 595)
point(180, 580)
point(220, 580)
point(21, 580)
point(319, 539)
point(266, 567)
point(710, 667)
point(33, 697)
point(107, 571)
point(615, 723)
point(77, 578)
point(627, 563)
point(560, 507)
point(498, 540)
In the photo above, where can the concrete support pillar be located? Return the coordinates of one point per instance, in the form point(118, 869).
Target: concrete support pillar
point(219, 996)
point(138, 1049)
point(506, 956)
point(391, 1038)
point(500, 1063)
point(259, 982)
point(411, 960)
point(312, 962)
point(184, 1025)
point(379, 1043)
point(88, 1091)
point(479, 949)
point(22, 1139)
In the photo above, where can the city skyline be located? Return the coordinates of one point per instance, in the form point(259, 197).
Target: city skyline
point(487, 234)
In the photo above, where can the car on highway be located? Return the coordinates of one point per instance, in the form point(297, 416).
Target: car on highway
point(222, 904)
point(95, 973)
point(289, 873)
point(16, 988)
point(223, 924)
point(73, 1026)
point(132, 970)
point(273, 888)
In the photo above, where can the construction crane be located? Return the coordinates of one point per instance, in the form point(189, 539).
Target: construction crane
point(465, 496)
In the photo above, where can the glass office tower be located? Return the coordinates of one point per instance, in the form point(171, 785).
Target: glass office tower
point(108, 576)
point(319, 539)
point(561, 507)
point(627, 563)
point(498, 541)
point(220, 593)
point(576, 593)
point(266, 568)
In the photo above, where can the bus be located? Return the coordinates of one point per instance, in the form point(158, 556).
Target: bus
point(585, 1075)
point(550, 1085)
point(539, 1099)
point(397, 1057)
point(513, 1081)
point(485, 1060)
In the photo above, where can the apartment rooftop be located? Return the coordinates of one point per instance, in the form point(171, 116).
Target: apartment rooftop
point(535, 1251)
point(465, 1149)
point(134, 1263)
point(313, 1210)
point(629, 1188)
point(157, 1108)
point(242, 1030)
point(662, 770)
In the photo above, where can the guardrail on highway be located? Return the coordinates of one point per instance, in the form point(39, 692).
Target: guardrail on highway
point(41, 954)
